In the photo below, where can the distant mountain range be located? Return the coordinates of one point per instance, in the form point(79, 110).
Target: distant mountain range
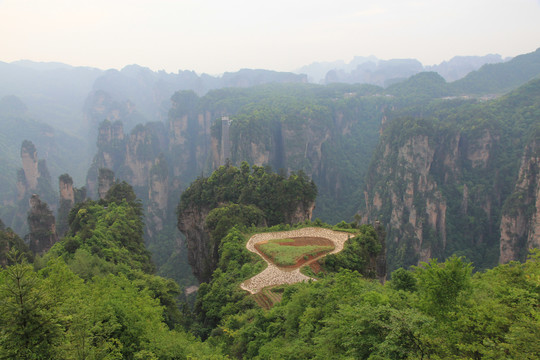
point(371, 70)
point(55, 92)
point(49, 102)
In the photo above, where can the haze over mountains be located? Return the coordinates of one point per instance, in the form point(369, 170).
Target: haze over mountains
point(127, 184)
point(160, 131)
point(72, 100)
point(371, 70)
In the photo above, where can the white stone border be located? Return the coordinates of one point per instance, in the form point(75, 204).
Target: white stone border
point(274, 275)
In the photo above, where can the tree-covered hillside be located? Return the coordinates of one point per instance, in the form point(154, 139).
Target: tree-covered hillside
point(231, 196)
point(93, 296)
point(434, 311)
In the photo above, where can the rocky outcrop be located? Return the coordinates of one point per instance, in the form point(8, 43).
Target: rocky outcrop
point(42, 226)
point(439, 183)
point(105, 181)
point(69, 196)
point(32, 178)
point(130, 157)
point(520, 223)
point(67, 193)
point(202, 252)
point(415, 206)
point(301, 213)
point(29, 165)
point(244, 196)
point(140, 155)
point(101, 105)
point(67, 200)
point(158, 197)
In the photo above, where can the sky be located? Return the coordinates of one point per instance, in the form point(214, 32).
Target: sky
point(215, 36)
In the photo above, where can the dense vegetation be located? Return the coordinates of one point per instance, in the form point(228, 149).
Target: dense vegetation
point(436, 311)
point(277, 196)
point(92, 296)
point(362, 253)
point(8, 241)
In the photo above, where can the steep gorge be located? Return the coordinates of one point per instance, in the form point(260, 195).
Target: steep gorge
point(439, 182)
point(520, 222)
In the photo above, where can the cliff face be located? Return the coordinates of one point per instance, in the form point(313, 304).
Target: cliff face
point(105, 181)
point(202, 253)
point(417, 207)
point(67, 192)
point(329, 140)
point(439, 185)
point(67, 200)
point(189, 138)
point(130, 157)
point(139, 156)
point(32, 178)
point(110, 154)
point(520, 223)
point(158, 197)
point(29, 165)
point(138, 159)
point(42, 226)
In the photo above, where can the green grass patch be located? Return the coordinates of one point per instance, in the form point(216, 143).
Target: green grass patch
point(283, 254)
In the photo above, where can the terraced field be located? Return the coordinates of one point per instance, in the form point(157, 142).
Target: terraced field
point(275, 275)
point(294, 252)
point(266, 298)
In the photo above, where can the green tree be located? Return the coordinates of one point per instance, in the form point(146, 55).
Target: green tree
point(440, 285)
point(29, 326)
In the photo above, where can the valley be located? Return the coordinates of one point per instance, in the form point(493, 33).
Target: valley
point(259, 216)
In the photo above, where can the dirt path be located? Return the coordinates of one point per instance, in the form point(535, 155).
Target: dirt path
point(274, 275)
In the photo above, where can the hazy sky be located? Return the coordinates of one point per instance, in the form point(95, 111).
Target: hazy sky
point(226, 35)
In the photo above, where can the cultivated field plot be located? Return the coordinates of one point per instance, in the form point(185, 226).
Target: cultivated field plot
point(294, 252)
point(289, 274)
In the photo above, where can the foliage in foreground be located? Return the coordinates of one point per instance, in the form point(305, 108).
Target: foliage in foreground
point(54, 314)
point(93, 295)
point(435, 311)
point(80, 305)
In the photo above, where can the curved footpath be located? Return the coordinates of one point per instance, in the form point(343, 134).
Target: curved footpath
point(274, 275)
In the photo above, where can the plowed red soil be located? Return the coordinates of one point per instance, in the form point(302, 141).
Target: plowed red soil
point(300, 241)
point(315, 267)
